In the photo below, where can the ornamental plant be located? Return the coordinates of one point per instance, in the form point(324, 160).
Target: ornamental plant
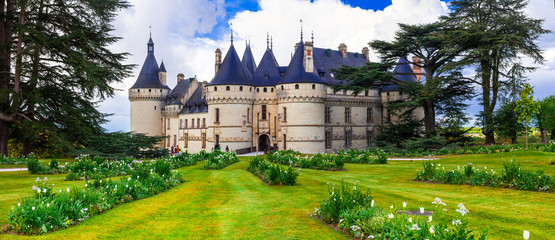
point(218, 160)
point(271, 173)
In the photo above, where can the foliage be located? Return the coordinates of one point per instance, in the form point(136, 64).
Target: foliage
point(317, 161)
point(546, 117)
point(511, 177)
point(35, 166)
point(494, 35)
point(123, 144)
point(47, 210)
point(395, 133)
point(218, 159)
point(361, 156)
point(526, 107)
point(355, 213)
point(8, 160)
point(506, 121)
point(271, 173)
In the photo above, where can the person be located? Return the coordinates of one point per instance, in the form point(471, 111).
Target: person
point(172, 150)
point(227, 148)
point(217, 147)
point(178, 150)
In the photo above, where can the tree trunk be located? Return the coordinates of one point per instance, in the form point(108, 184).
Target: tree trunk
point(3, 138)
point(487, 129)
point(513, 140)
point(26, 147)
point(429, 119)
point(544, 135)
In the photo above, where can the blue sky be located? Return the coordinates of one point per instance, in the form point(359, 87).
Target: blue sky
point(187, 32)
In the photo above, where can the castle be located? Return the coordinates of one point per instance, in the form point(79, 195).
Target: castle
point(248, 107)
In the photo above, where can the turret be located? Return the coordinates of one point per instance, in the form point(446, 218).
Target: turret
point(162, 73)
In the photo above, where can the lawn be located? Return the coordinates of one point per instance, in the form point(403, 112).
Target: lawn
point(233, 203)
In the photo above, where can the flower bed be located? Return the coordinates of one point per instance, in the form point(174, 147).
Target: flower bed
point(354, 212)
point(14, 160)
point(317, 161)
point(219, 160)
point(511, 177)
point(48, 210)
point(271, 173)
point(362, 156)
point(35, 166)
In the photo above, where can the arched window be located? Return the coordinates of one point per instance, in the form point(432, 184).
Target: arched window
point(250, 89)
point(241, 88)
point(272, 89)
point(215, 89)
point(296, 86)
point(227, 88)
point(149, 90)
point(265, 90)
point(138, 90)
point(160, 90)
point(257, 89)
point(313, 86)
point(281, 87)
point(154, 108)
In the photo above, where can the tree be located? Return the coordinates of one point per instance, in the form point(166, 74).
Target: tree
point(494, 35)
point(526, 107)
point(62, 68)
point(123, 144)
point(506, 122)
point(433, 52)
point(546, 117)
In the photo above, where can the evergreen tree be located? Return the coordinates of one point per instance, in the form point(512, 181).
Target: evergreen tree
point(546, 118)
point(494, 35)
point(506, 122)
point(62, 68)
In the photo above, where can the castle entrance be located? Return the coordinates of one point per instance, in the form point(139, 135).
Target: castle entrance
point(263, 143)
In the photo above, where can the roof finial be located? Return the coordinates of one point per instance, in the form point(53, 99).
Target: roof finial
point(271, 43)
point(249, 41)
point(301, 29)
point(267, 40)
point(312, 37)
point(230, 24)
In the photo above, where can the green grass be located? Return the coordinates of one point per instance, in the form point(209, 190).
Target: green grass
point(232, 203)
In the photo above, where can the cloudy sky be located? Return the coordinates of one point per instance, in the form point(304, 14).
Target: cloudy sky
point(187, 32)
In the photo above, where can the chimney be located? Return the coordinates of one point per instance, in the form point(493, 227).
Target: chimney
point(180, 77)
point(218, 60)
point(343, 49)
point(308, 60)
point(416, 68)
point(366, 53)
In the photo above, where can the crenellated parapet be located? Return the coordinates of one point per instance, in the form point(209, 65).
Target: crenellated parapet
point(147, 94)
point(301, 92)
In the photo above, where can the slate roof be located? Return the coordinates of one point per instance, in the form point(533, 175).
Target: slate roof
point(232, 71)
point(196, 103)
point(178, 91)
point(162, 67)
point(248, 60)
point(401, 72)
point(296, 72)
point(327, 59)
point(267, 73)
point(148, 77)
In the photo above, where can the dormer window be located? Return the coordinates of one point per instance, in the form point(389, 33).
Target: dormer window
point(150, 48)
point(149, 90)
point(265, 90)
point(241, 88)
point(215, 89)
point(296, 86)
point(227, 88)
point(266, 76)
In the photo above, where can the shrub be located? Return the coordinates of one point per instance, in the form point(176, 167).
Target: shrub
point(54, 164)
point(218, 160)
point(272, 173)
point(346, 197)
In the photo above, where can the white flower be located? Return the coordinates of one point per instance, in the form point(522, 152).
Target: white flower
point(33, 208)
point(45, 179)
point(85, 185)
point(48, 205)
point(67, 189)
point(390, 215)
point(422, 210)
point(100, 181)
point(355, 188)
point(447, 230)
point(438, 202)
point(432, 230)
point(456, 222)
point(371, 236)
point(404, 204)
point(372, 203)
point(415, 227)
point(391, 206)
point(526, 234)
point(355, 228)
point(410, 219)
point(44, 190)
point(37, 180)
point(462, 209)
point(439, 165)
point(19, 204)
point(430, 219)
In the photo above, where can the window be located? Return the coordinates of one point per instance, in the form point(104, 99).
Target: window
point(285, 114)
point(204, 123)
point(217, 139)
point(344, 92)
point(296, 86)
point(241, 88)
point(192, 123)
point(138, 90)
point(168, 124)
point(284, 141)
point(366, 93)
point(215, 89)
point(248, 115)
point(175, 140)
point(180, 123)
point(327, 117)
point(186, 123)
point(227, 88)
point(347, 115)
point(263, 112)
point(281, 87)
point(203, 137)
point(185, 140)
point(198, 122)
point(313, 86)
point(154, 108)
point(265, 89)
point(328, 139)
point(168, 141)
point(272, 89)
point(369, 115)
point(348, 138)
point(368, 138)
point(257, 89)
point(217, 115)
point(149, 90)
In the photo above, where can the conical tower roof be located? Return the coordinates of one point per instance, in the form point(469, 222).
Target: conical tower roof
point(248, 60)
point(148, 77)
point(296, 72)
point(232, 71)
point(267, 73)
point(162, 67)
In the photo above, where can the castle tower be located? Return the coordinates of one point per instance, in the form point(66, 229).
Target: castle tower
point(147, 97)
point(230, 97)
point(248, 60)
point(162, 73)
point(301, 95)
